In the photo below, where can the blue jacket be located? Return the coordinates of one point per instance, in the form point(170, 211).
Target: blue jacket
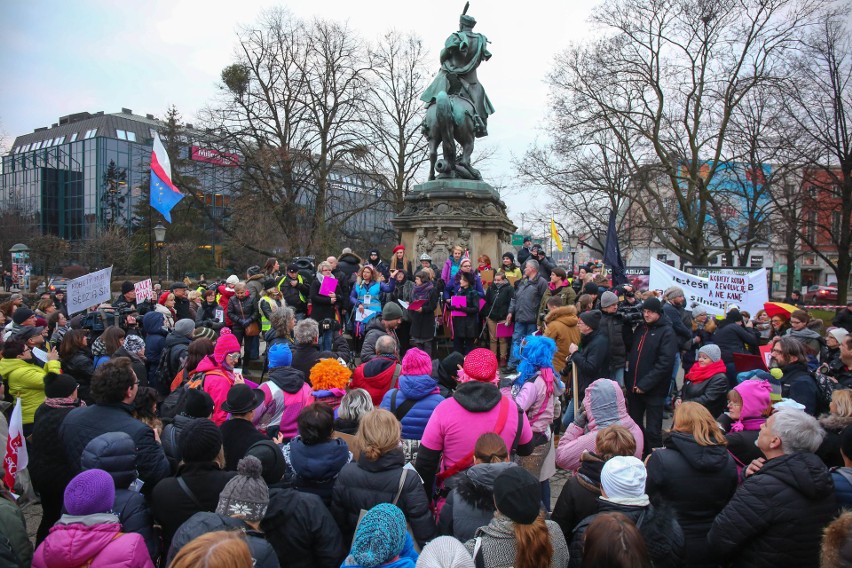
point(423, 389)
point(842, 488)
point(313, 469)
point(155, 340)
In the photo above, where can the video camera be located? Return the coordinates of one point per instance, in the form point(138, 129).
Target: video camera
point(328, 324)
point(96, 322)
point(630, 314)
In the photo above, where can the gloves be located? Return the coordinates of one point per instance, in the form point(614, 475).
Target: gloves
point(581, 420)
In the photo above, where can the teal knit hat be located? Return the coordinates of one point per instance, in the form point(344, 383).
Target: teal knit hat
point(379, 537)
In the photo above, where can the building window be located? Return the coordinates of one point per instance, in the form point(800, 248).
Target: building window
point(121, 134)
point(153, 133)
point(835, 223)
point(810, 226)
point(131, 136)
point(91, 133)
point(73, 137)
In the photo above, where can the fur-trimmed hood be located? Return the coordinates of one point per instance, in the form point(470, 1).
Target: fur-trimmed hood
point(834, 422)
point(837, 543)
point(476, 486)
point(565, 314)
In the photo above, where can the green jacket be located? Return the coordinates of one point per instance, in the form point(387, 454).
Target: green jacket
point(13, 530)
point(26, 381)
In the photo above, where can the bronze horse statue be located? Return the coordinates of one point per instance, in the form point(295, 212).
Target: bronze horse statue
point(449, 119)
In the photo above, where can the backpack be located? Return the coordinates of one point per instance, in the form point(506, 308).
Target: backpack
point(825, 388)
point(175, 403)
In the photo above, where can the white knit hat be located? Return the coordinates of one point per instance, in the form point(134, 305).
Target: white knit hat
point(838, 333)
point(232, 279)
point(445, 552)
point(623, 476)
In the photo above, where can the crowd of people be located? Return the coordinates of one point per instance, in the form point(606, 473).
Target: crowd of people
point(304, 417)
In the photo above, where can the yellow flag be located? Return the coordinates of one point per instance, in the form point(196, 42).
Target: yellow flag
point(554, 235)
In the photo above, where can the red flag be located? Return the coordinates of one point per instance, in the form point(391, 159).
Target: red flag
point(16, 449)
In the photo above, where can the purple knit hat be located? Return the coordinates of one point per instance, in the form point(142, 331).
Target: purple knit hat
point(416, 362)
point(92, 491)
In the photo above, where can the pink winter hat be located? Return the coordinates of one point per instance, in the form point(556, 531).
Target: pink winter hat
point(416, 362)
point(480, 365)
point(226, 343)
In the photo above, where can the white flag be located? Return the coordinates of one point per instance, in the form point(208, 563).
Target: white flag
point(16, 448)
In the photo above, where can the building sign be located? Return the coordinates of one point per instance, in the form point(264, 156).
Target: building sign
point(214, 157)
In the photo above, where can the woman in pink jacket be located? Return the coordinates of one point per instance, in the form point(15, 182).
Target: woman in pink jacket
point(603, 406)
point(89, 534)
point(219, 374)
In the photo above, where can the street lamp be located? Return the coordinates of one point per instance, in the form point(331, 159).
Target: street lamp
point(573, 242)
point(160, 237)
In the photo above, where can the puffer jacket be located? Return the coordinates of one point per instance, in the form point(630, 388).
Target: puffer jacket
point(497, 547)
point(797, 383)
point(115, 453)
point(657, 525)
point(26, 381)
point(524, 306)
point(262, 553)
point(733, 338)
point(470, 502)
point(91, 541)
point(675, 472)
point(424, 390)
point(155, 339)
point(217, 382)
point(374, 330)
point(376, 377)
point(776, 518)
point(619, 336)
point(842, 486)
point(301, 529)
point(604, 405)
point(592, 360)
point(285, 394)
point(365, 484)
point(314, 468)
point(562, 328)
point(710, 393)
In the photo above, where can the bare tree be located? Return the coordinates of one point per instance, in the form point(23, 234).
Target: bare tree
point(114, 247)
point(665, 80)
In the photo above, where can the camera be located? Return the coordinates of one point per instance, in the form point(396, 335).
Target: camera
point(96, 322)
point(328, 324)
point(631, 315)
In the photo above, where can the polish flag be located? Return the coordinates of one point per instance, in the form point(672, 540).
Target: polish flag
point(16, 448)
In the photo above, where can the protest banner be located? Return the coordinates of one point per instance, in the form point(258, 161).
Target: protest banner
point(144, 291)
point(716, 293)
point(89, 290)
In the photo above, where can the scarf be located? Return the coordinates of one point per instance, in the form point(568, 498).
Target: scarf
point(700, 373)
point(422, 291)
point(65, 402)
point(748, 424)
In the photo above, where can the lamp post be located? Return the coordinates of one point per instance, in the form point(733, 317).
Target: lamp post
point(573, 242)
point(160, 237)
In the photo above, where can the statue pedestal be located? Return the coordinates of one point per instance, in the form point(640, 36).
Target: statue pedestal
point(442, 213)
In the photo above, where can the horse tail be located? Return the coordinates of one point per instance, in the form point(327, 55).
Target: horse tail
point(443, 108)
point(446, 124)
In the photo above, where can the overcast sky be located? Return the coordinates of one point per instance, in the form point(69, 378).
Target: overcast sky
point(61, 57)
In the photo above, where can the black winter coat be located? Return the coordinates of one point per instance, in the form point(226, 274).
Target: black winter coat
point(84, 424)
point(49, 466)
point(675, 316)
point(470, 503)
point(467, 326)
point(423, 322)
point(497, 301)
point(170, 437)
point(657, 525)
point(293, 294)
point(776, 518)
point(365, 484)
point(262, 553)
point(711, 394)
point(798, 384)
point(843, 319)
point(651, 358)
point(137, 363)
point(238, 436)
point(732, 338)
point(321, 306)
point(302, 531)
point(306, 356)
point(697, 481)
point(81, 366)
point(592, 360)
point(580, 495)
point(618, 336)
point(242, 311)
point(172, 506)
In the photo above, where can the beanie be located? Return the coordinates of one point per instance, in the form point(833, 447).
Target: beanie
point(391, 311)
point(184, 327)
point(232, 279)
point(21, 315)
point(253, 270)
point(673, 292)
point(199, 404)
point(416, 362)
point(245, 496)
point(591, 288)
point(127, 286)
point(445, 552)
point(204, 332)
point(623, 476)
point(271, 459)
point(711, 351)
point(653, 305)
point(839, 335)
point(481, 365)
point(698, 311)
point(280, 356)
point(379, 537)
point(134, 344)
point(517, 494)
point(226, 343)
point(90, 492)
point(592, 319)
point(608, 299)
point(59, 386)
point(734, 316)
point(450, 364)
point(200, 441)
point(510, 256)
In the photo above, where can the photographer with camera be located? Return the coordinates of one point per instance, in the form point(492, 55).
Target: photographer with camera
point(545, 263)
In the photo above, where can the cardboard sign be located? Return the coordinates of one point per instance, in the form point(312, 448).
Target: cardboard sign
point(487, 275)
point(89, 290)
point(144, 291)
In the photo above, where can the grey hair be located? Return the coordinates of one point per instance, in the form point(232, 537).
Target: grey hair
point(280, 320)
point(799, 432)
point(533, 264)
point(386, 345)
point(306, 332)
point(355, 404)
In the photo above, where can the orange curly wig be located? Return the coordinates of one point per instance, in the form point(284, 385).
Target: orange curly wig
point(329, 374)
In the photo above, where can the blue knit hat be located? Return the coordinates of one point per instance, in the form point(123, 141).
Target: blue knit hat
point(379, 537)
point(280, 356)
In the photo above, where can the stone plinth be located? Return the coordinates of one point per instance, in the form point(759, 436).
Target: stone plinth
point(445, 212)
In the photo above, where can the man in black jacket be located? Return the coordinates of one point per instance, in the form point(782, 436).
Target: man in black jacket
point(619, 334)
point(591, 356)
point(843, 318)
point(181, 301)
point(797, 383)
point(673, 309)
point(238, 433)
point(114, 387)
point(649, 370)
point(777, 516)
